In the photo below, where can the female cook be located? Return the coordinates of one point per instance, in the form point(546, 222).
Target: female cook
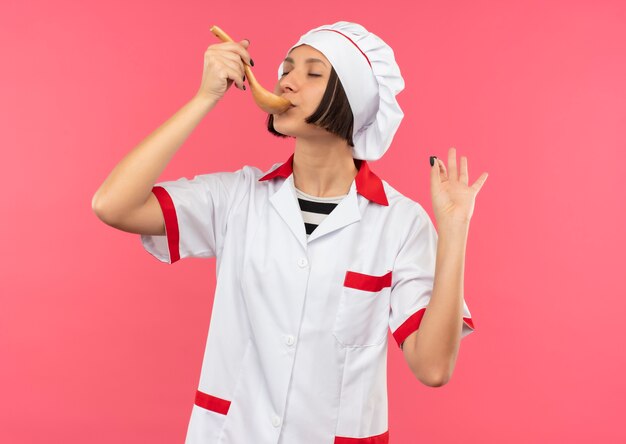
point(316, 257)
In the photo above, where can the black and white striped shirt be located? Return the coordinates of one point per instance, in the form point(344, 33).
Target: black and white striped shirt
point(315, 209)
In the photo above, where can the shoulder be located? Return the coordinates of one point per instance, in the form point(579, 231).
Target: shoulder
point(402, 206)
point(245, 172)
point(242, 178)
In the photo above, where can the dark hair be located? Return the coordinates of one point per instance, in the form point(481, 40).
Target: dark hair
point(333, 113)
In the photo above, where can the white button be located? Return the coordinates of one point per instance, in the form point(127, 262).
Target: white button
point(275, 421)
point(290, 340)
point(303, 262)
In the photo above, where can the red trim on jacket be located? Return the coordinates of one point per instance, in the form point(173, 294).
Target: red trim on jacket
point(368, 184)
point(383, 438)
point(211, 402)
point(413, 323)
point(171, 221)
point(367, 282)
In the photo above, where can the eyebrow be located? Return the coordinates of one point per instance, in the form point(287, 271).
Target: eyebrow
point(311, 60)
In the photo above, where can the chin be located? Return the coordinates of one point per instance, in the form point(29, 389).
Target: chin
point(287, 130)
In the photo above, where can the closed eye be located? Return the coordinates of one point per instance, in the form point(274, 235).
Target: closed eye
point(312, 75)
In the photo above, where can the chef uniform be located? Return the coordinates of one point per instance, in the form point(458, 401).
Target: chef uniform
point(297, 345)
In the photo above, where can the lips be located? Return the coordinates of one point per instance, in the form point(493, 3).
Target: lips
point(292, 104)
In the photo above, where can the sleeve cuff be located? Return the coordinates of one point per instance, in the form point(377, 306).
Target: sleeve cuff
point(414, 321)
point(155, 244)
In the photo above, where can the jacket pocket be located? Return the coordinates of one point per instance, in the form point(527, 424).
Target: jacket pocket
point(207, 418)
point(363, 311)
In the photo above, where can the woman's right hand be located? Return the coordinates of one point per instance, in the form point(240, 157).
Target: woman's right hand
point(223, 65)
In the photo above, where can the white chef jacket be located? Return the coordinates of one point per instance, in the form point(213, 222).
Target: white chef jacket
point(297, 344)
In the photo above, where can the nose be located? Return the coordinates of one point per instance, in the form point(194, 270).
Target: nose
point(286, 83)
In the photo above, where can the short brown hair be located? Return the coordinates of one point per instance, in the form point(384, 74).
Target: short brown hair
point(333, 113)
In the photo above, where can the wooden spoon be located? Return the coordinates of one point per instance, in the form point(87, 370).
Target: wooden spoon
point(268, 102)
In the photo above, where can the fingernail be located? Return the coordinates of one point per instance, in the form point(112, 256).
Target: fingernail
point(432, 160)
point(251, 62)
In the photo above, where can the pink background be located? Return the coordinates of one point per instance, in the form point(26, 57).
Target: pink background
point(100, 342)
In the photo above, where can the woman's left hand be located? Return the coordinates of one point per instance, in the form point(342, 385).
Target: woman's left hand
point(453, 200)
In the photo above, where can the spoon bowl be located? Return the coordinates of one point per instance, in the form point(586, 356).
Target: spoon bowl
point(267, 101)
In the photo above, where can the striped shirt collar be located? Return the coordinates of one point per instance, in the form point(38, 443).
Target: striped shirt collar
point(368, 184)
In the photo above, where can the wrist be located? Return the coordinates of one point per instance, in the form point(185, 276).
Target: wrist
point(453, 225)
point(205, 100)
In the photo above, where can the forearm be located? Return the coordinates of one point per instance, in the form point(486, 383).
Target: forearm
point(440, 328)
point(129, 184)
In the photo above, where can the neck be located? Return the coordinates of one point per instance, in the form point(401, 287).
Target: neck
point(323, 167)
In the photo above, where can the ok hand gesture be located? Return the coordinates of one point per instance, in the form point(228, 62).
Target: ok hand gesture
point(452, 198)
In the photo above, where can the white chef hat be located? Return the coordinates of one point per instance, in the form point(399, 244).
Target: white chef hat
point(371, 79)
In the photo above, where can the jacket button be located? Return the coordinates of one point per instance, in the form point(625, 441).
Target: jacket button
point(290, 340)
point(303, 262)
point(275, 421)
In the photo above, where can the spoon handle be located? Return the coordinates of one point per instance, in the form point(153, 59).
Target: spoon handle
point(267, 101)
point(220, 34)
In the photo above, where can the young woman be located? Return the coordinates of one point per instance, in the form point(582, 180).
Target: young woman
point(316, 257)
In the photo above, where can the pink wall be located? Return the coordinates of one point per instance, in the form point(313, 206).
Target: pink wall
point(100, 342)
